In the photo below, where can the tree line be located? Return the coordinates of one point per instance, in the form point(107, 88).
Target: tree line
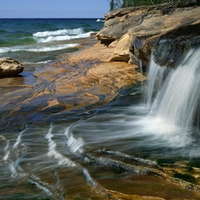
point(131, 3)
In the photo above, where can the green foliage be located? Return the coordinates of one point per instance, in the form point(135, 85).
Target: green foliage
point(131, 3)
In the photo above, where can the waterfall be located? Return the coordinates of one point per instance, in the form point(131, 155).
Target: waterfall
point(156, 76)
point(178, 94)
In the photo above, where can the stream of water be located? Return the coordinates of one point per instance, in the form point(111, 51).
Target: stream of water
point(69, 159)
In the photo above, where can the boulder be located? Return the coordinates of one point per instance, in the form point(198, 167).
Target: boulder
point(137, 29)
point(10, 67)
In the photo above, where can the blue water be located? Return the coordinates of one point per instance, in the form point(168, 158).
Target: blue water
point(33, 41)
point(82, 153)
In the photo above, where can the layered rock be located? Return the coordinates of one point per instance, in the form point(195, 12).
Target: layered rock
point(93, 77)
point(80, 82)
point(134, 31)
point(10, 67)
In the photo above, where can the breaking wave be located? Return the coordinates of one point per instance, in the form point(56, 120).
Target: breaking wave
point(31, 48)
point(60, 35)
point(59, 32)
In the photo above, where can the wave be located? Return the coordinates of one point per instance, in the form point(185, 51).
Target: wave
point(99, 20)
point(59, 32)
point(16, 41)
point(36, 63)
point(31, 48)
point(3, 31)
point(62, 38)
point(60, 35)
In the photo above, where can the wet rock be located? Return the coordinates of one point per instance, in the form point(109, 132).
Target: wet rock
point(10, 67)
point(175, 43)
point(62, 89)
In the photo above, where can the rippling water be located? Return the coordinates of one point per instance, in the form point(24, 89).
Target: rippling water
point(81, 158)
point(124, 148)
point(33, 41)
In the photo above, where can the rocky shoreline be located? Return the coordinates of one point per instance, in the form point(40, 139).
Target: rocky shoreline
point(77, 81)
point(80, 82)
point(93, 75)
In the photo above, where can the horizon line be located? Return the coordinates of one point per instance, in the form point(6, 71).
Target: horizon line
point(51, 18)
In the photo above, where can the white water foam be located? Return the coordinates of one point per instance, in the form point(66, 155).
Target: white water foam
point(52, 153)
point(76, 31)
point(44, 189)
point(13, 170)
point(75, 145)
point(7, 151)
point(14, 167)
point(34, 48)
point(18, 140)
point(173, 109)
point(37, 63)
point(155, 80)
point(89, 178)
point(99, 20)
point(62, 37)
point(178, 99)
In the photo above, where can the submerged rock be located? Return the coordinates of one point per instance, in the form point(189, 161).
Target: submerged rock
point(10, 67)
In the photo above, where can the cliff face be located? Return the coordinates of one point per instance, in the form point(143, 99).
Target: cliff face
point(135, 31)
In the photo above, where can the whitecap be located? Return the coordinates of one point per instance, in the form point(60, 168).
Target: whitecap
point(52, 48)
point(62, 37)
point(99, 20)
point(75, 31)
point(31, 48)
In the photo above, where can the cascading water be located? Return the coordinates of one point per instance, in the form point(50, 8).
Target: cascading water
point(173, 108)
point(179, 96)
point(116, 146)
point(155, 79)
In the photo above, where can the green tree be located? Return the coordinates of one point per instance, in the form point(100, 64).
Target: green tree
point(112, 4)
point(130, 3)
point(116, 4)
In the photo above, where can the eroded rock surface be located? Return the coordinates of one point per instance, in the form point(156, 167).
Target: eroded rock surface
point(134, 31)
point(10, 67)
point(93, 77)
point(82, 80)
point(85, 80)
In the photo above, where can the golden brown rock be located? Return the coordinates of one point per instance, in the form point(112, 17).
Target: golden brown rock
point(81, 79)
point(10, 67)
point(136, 30)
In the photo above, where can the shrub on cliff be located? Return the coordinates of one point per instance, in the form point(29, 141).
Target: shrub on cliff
point(131, 3)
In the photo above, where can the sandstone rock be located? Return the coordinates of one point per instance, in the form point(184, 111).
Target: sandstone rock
point(10, 67)
point(137, 29)
point(121, 52)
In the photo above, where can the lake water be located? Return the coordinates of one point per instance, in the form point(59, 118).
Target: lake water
point(128, 147)
point(33, 41)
